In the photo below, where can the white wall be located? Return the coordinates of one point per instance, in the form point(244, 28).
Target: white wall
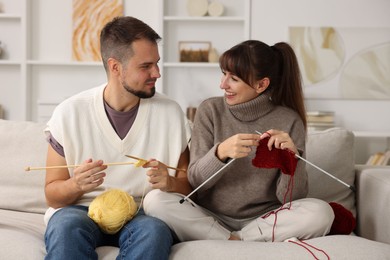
point(51, 43)
point(270, 22)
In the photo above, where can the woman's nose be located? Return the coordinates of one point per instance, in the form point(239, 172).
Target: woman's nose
point(223, 84)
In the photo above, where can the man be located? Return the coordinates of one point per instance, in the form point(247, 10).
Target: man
point(104, 124)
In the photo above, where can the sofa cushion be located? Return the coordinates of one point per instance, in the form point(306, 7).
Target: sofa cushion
point(336, 247)
point(21, 235)
point(373, 203)
point(333, 151)
point(22, 144)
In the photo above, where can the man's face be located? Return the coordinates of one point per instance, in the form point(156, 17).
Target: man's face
point(141, 72)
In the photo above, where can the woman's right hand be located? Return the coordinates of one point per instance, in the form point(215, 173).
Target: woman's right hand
point(237, 146)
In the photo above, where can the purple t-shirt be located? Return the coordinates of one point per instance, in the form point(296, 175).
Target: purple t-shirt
point(120, 121)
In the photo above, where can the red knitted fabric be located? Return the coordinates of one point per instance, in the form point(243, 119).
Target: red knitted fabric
point(284, 160)
point(344, 222)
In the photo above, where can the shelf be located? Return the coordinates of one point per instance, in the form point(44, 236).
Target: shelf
point(191, 64)
point(204, 19)
point(9, 62)
point(42, 70)
point(189, 82)
point(371, 134)
point(365, 166)
point(64, 63)
point(10, 16)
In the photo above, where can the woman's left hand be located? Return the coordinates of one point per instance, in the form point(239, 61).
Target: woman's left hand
point(158, 175)
point(279, 140)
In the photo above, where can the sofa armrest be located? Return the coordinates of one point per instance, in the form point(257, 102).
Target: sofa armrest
point(373, 203)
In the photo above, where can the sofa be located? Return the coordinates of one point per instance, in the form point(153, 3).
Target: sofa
point(22, 203)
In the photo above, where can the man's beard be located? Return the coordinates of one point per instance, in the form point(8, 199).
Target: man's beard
point(138, 93)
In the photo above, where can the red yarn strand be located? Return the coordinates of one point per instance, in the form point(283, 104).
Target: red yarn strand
point(288, 191)
point(286, 161)
point(307, 245)
point(316, 248)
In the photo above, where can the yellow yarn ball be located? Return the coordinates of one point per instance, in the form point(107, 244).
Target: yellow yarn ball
point(112, 209)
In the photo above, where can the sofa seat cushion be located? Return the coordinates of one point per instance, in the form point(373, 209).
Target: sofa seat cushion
point(22, 235)
point(336, 247)
point(333, 151)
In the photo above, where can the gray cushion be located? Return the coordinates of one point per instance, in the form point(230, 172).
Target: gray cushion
point(333, 151)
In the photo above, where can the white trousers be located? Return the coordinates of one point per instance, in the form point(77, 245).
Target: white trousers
point(306, 218)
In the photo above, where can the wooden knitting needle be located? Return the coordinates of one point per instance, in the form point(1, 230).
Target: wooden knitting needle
point(71, 166)
point(140, 159)
point(318, 168)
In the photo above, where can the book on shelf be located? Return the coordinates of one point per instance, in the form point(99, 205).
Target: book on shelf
point(320, 120)
point(320, 113)
point(379, 158)
point(320, 116)
point(325, 119)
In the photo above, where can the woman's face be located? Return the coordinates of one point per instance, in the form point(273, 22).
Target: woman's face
point(236, 90)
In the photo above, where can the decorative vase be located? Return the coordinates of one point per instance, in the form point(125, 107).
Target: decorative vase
point(215, 8)
point(197, 7)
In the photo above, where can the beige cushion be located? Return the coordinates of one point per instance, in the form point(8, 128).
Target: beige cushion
point(333, 151)
point(21, 235)
point(22, 144)
point(374, 203)
point(336, 247)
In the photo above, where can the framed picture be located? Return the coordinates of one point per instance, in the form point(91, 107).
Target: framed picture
point(84, 44)
point(194, 51)
point(343, 62)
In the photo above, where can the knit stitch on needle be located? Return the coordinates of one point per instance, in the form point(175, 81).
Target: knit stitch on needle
point(285, 160)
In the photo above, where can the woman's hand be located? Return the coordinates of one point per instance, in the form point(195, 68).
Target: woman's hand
point(158, 175)
point(280, 140)
point(237, 146)
point(89, 175)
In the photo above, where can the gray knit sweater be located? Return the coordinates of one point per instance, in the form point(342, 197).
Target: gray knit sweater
point(241, 190)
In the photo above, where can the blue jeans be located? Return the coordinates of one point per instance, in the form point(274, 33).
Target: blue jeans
point(71, 234)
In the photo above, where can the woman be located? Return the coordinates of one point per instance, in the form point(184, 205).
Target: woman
point(263, 93)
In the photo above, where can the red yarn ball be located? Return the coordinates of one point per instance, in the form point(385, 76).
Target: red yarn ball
point(344, 222)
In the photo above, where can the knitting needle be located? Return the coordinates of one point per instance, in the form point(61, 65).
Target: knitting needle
point(71, 166)
point(140, 159)
point(212, 176)
point(318, 168)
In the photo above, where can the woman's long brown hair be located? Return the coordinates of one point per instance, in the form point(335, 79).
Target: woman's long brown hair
point(254, 60)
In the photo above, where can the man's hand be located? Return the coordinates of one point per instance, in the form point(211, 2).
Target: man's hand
point(89, 175)
point(158, 175)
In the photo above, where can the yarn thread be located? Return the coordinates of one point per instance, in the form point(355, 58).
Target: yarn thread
point(307, 245)
point(286, 162)
point(112, 209)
